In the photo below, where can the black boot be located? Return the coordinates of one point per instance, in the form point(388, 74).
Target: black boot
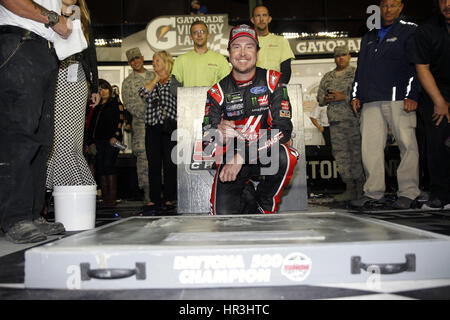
point(105, 188)
point(110, 199)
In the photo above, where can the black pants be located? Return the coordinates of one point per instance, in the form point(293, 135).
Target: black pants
point(159, 146)
point(105, 158)
point(438, 155)
point(231, 197)
point(27, 94)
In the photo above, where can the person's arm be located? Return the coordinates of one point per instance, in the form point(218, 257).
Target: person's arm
point(149, 86)
point(441, 106)
point(281, 128)
point(91, 56)
point(321, 92)
point(119, 119)
point(286, 71)
point(355, 99)
point(317, 124)
point(92, 61)
point(31, 10)
point(413, 89)
point(174, 85)
point(212, 139)
point(127, 94)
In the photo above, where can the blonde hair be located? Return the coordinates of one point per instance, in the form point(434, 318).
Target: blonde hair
point(85, 18)
point(167, 58)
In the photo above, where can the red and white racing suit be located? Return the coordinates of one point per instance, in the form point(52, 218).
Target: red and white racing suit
point(261, 111)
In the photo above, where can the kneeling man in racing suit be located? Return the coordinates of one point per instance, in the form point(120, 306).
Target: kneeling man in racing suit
point(247, 128)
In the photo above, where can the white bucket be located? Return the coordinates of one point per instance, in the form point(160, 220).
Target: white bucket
point(75, 206)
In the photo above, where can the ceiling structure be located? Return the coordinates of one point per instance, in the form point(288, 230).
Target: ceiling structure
point(120, 18)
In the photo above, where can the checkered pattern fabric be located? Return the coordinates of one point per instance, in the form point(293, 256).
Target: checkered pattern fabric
point(161, 104)
point(219, 44)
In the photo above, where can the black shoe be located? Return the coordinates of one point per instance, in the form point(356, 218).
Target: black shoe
point(435, 204)
point(367, 202)
point(49, 228)
point(150, 210)
point(403, 203)
point(25, 232)
point(170, 208)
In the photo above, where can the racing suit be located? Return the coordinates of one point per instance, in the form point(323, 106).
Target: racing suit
point(261, 111)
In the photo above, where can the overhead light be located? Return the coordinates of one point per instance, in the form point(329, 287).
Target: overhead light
point(323, 34)
point(110, 43)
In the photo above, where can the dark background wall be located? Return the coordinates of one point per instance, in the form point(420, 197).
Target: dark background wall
point(119, 18)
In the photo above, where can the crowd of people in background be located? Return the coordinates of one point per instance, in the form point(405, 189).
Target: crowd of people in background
point(402, 77)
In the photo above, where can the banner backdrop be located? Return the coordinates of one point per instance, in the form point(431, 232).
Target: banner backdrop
point(171, 33)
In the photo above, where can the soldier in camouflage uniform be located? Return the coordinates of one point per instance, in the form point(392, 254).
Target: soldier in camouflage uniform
point(137, 107)
point(334, 91)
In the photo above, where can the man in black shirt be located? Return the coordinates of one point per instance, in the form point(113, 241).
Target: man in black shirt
point(431, 56)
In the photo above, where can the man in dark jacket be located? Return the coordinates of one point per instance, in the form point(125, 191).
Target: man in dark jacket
point(248, 121)
point(386, 90)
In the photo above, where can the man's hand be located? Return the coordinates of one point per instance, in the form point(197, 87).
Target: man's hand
point(227, 130)
point(441, 110)
point(410, 105)
point(63, 27)
point(231, 170)
point(334, 96)
point(356, 105)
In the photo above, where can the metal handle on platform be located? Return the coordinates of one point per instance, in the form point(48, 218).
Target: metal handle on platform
point(385, 268)
point(113, 273)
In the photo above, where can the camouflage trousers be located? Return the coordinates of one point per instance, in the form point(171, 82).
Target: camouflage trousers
point(141, 157)
point(346, 149)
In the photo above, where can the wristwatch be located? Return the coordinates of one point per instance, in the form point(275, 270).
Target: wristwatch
point(53, 19)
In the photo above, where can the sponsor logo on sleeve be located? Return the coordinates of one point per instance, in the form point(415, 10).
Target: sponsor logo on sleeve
point(285, 114)
point(285, 105)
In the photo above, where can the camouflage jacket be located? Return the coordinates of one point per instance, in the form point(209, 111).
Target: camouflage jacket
point(339, 81)
point(130, 95)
